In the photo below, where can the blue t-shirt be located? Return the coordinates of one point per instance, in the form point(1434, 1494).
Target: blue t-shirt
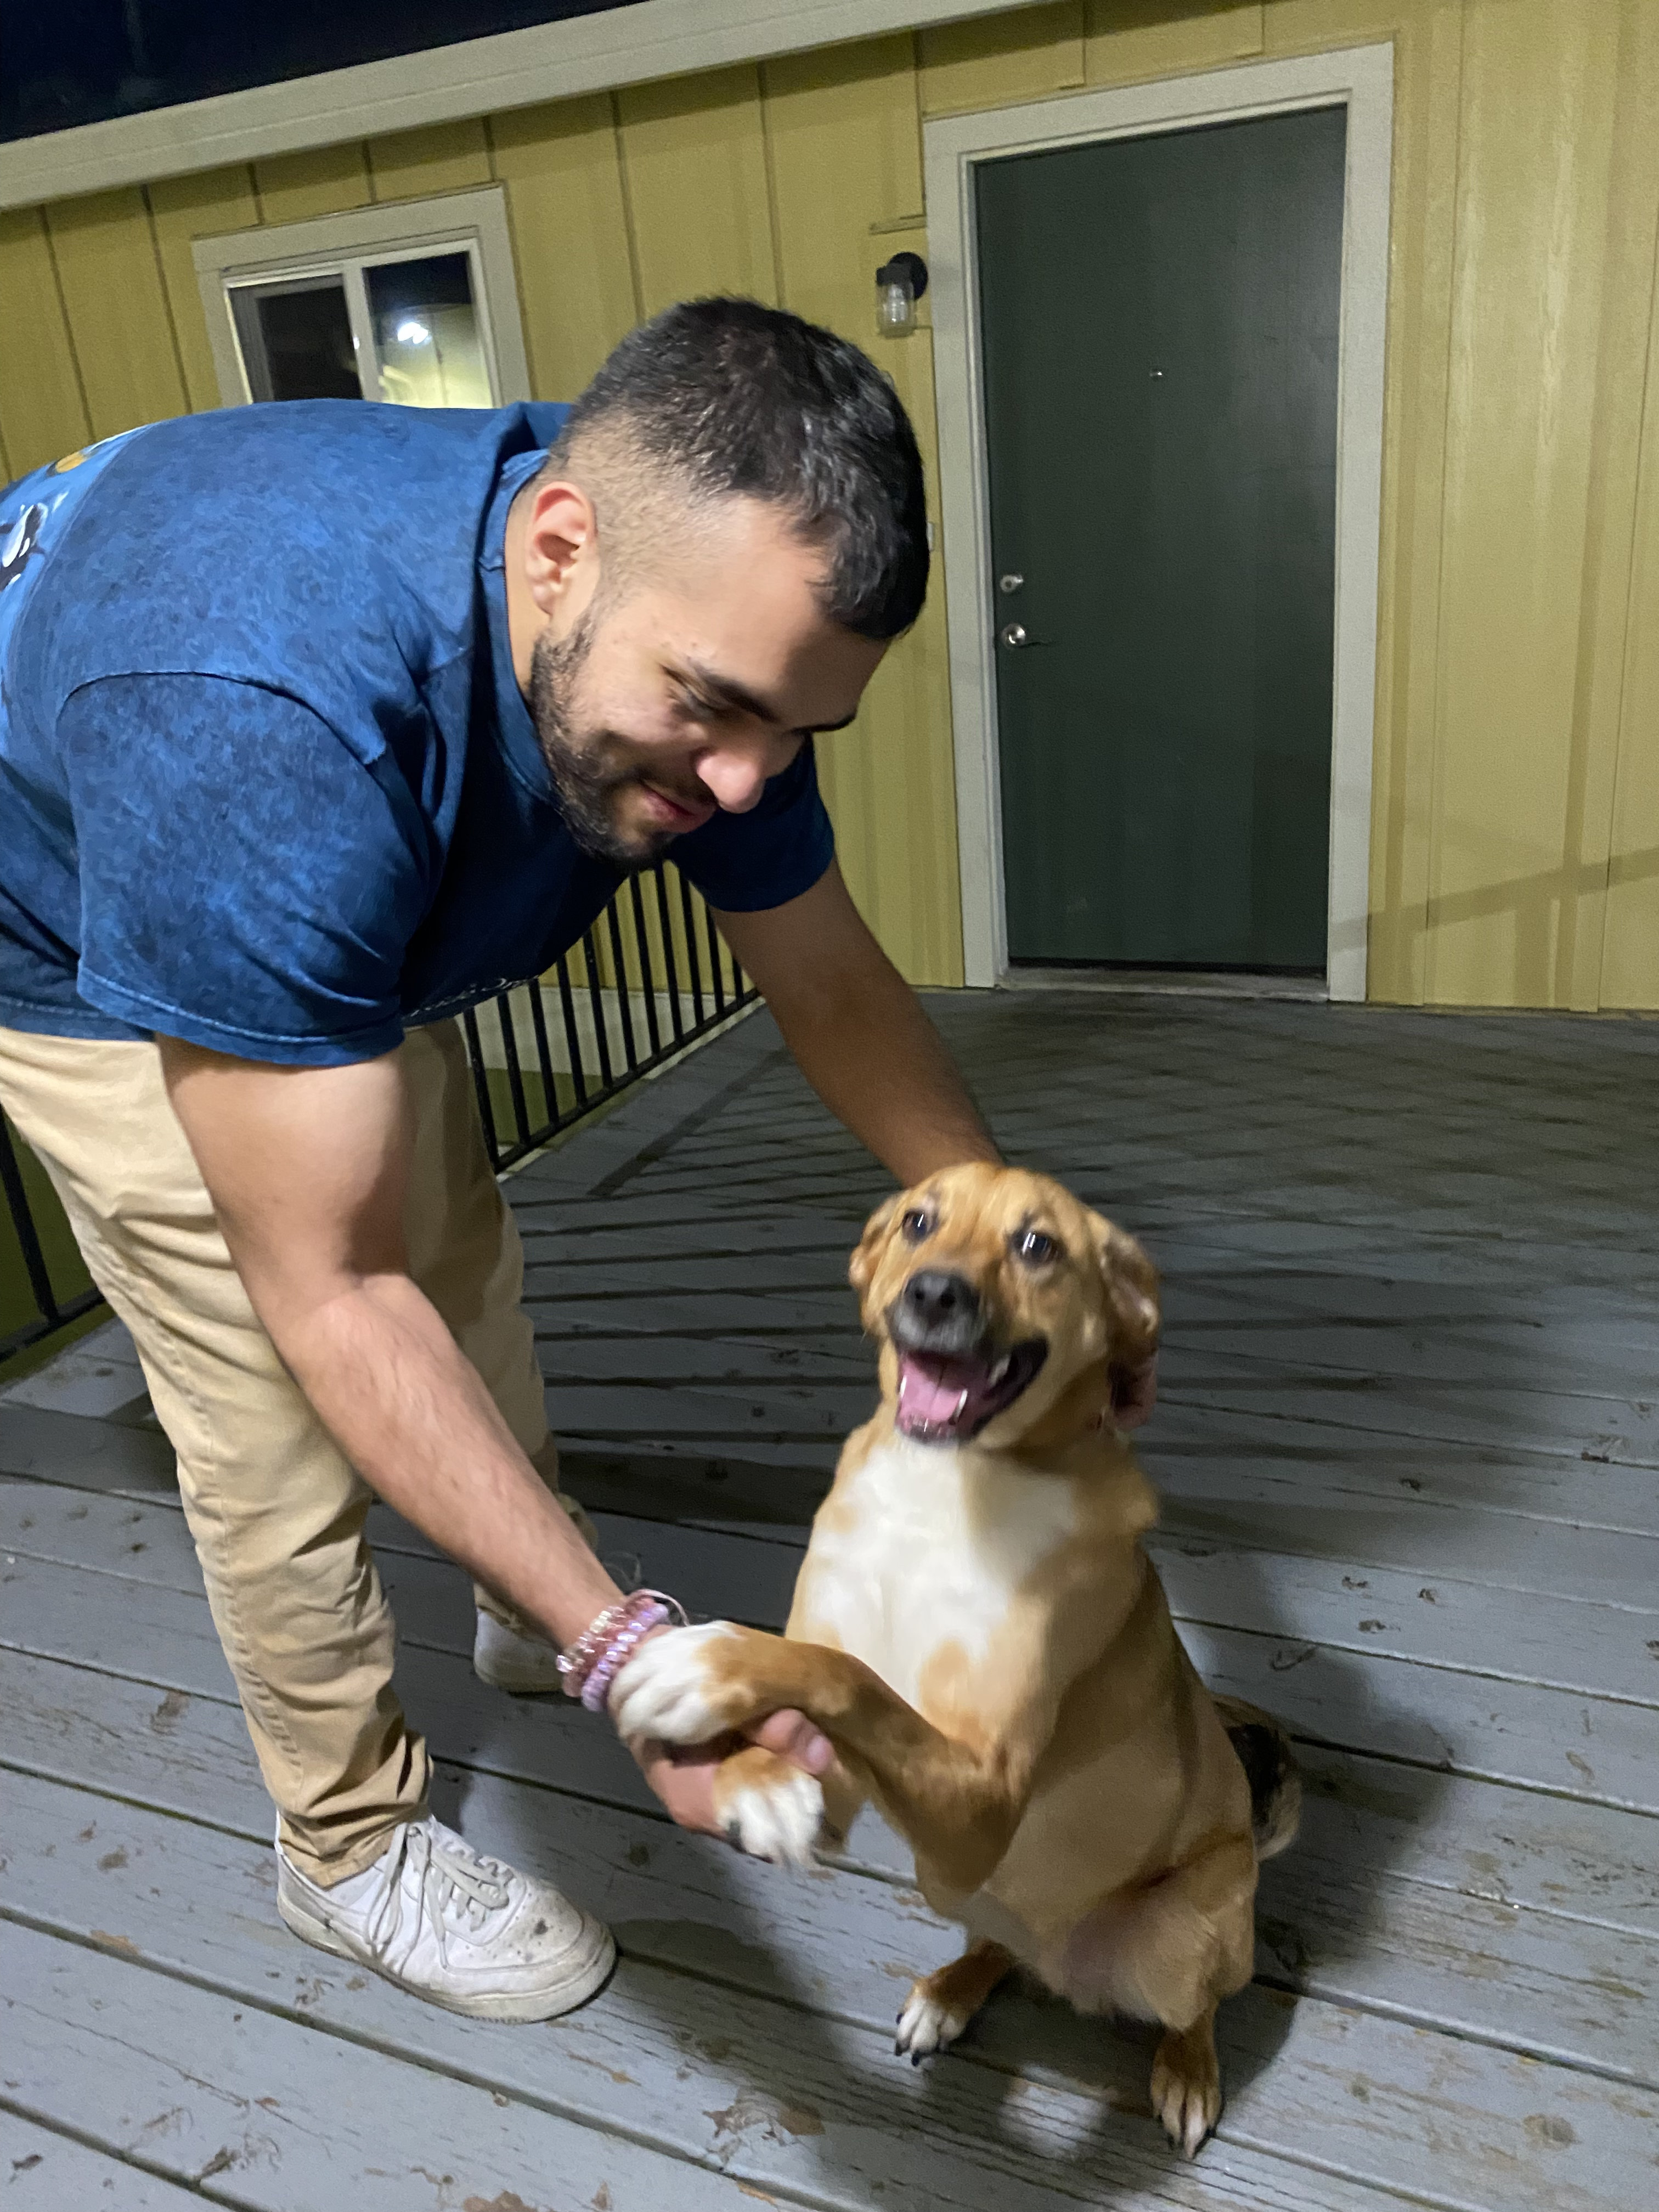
point(267, 781)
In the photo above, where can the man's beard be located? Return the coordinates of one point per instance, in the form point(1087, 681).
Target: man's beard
point(591, 768)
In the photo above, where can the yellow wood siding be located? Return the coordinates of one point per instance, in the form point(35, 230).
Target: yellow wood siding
point(182, 209)
point(1428, 63)
point(1598, 729)
point(43, 409)
point(1515, 854)
point(445, 157)
point(563, 175)
point(694, 169)
point(846, 154)
point(996, 59)
point(293, 187)
point(1531, 224)
point(110, 275)
point(1629, 971)
point(1132, 40)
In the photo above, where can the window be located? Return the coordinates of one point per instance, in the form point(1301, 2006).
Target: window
point(414, 304)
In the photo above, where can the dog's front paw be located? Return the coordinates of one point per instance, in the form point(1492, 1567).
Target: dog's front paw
point(669, 1691)
point(926, 2026)
point(768, 1808)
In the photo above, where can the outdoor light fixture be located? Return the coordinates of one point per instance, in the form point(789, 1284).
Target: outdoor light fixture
point(900, 283)
point(412, 332)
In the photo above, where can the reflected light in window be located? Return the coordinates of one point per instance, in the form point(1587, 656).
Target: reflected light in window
point(411, 332)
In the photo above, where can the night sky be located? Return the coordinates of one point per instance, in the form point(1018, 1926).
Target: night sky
point(79, 61)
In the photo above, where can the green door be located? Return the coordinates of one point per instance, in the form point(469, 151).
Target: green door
point(1160, 321)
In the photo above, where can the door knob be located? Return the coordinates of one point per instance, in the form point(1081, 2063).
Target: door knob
point(1013, 635)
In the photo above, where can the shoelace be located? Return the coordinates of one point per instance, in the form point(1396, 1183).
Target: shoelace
point(449, 1889)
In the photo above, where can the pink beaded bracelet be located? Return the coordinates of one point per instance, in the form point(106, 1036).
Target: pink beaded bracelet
point(576, 1662)
point(592, 1663)
point(596, 1690)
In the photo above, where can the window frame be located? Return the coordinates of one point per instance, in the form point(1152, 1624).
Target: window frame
point(473, 222)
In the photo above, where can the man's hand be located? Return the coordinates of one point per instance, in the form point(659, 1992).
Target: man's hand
point(684, 1777)
point(857, 1031)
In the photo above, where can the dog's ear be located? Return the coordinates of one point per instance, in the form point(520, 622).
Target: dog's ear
point(867, 1252)
point(1131, 1282)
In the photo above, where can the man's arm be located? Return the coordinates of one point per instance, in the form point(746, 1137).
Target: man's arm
point(858, 1031)
point(308, 1171)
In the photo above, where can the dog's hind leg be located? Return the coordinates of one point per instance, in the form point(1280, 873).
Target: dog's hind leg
point(1187, 2084)
point(1169, 1952)
point(941, 2004)
point(1196, 1944)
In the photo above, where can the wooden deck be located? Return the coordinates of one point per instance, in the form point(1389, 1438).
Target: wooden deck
point(1408, 1444)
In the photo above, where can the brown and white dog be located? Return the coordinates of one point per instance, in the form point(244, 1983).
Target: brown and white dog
point(980, 1634)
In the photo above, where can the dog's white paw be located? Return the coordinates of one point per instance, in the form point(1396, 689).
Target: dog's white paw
point(778, 1819)
point(925, 2026)
point(665, 1690)
point(1186, 2089)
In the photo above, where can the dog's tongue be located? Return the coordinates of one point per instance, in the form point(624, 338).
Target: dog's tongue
point(936, 1393)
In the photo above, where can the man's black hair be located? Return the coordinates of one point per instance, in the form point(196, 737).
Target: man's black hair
point(739, 399)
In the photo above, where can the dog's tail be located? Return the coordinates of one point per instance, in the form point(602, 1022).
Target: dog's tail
point(1264, 1752)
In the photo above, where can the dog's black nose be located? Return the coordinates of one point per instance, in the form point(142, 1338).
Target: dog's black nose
point(943, 1309)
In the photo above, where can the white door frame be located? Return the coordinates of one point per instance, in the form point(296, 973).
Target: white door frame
point(1360, 78)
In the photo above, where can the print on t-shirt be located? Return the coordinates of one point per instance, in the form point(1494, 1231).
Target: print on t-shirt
point(33, 514)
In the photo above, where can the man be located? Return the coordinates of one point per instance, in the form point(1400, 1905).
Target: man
point(318, 724)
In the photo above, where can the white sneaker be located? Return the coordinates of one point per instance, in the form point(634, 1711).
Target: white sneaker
point(448, 1924)
point(515, 1659)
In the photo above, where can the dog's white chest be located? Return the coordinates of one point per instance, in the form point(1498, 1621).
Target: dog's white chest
point(929, 1548)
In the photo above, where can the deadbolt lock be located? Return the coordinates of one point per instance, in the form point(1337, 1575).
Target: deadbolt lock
point(1009, 583)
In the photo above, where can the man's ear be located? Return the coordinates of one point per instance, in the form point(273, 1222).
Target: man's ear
point(867, 1253)
point(561, 530)
point(1131, 1284)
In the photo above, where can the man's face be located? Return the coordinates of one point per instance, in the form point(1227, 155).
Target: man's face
point(680, 694)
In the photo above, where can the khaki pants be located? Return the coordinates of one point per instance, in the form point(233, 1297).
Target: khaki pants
point(276, 1512)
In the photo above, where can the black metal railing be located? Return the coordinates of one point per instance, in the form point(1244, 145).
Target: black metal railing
point(43, 1284)
point(648, 979)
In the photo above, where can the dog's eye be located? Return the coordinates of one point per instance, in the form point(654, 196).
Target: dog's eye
point(917, 1226)
point(1033, 1248)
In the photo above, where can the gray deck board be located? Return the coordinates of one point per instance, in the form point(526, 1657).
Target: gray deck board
point(42, 2170)
point(1337, 1596)
point(751, 2096)
point(1382, 1899)
point(1356, 1694)
point(1408, 1447)
point(183, 1899)
point(208, 2083)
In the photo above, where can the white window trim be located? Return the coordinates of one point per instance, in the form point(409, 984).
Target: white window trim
point(1361, 78)
point(475, 77)
point(473, 222)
